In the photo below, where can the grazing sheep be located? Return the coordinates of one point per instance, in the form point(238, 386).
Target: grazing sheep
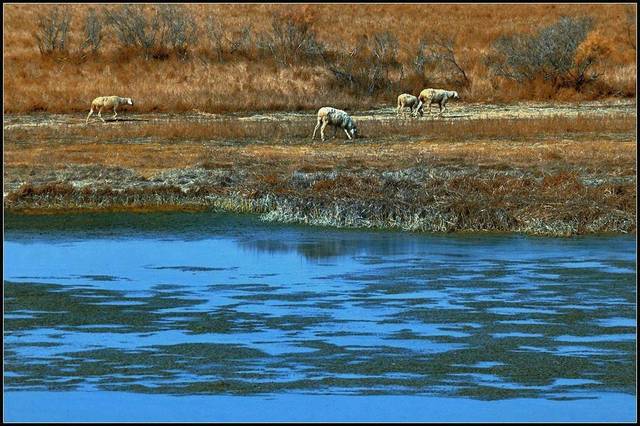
point(108, 102)
point(406, 101)
point(438, 96)
point(336, 118)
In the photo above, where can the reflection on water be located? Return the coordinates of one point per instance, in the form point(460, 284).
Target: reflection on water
point(176, 303)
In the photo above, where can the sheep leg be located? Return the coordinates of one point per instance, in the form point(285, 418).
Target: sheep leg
point(324, 124)
point(316, 128)
point(348, 135)
point(443, 106)
point(100, 114)
point(90, 113)
point(115, 114)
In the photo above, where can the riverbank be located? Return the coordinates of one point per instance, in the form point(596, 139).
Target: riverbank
point(555, 175)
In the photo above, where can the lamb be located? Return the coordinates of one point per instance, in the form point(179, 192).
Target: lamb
point(439, 96)
point(406, 100)
point(336, 118)
point(108, 102)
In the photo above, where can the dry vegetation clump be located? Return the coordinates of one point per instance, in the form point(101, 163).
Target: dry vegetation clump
point(249, 57)
point(557, 204)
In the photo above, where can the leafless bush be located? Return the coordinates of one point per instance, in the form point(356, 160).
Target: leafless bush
point(420, 60)
point(92, 31)
point(132, 27)
point(550, 53)
point(168, 28)
point(290, 40)
point(215, 35)
point(436, 53)
point(53, 29)
point(241, 40)
point(629, 25)
point(178, 30)
point(370, 66)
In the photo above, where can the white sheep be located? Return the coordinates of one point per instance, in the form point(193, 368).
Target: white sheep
point(336, 118)
point(438, 96)
point(108, 102)
point(406, 101)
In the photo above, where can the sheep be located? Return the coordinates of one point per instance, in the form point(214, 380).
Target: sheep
point(439, 96)
point(108, 102)
point(406, 100)
point(336, 118)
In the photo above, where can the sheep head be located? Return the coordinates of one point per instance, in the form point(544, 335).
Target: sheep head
point(353, 131)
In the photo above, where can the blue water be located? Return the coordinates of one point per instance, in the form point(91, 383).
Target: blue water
point(205, 317)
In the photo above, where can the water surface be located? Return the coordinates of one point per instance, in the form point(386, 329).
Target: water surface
point(203, 309)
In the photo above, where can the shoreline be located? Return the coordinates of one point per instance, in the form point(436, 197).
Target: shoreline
point(62, 211)
point(442, 217)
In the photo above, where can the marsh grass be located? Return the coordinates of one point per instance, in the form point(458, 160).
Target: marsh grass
point(558, 204)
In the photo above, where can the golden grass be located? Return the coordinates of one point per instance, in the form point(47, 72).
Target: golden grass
point(151, 147)
point(300, 131)
point(33, 83)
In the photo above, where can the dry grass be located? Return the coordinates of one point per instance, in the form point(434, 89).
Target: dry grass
point(34, 83)
point(558, 204)
point(607, 143)
point(300, 131)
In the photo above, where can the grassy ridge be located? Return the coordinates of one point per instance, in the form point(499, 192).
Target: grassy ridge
point(247, 81)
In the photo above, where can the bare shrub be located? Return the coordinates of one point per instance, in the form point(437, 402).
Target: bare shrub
point(53, 29)
point(419, 64)
point(291, 39)
point(629, 25)
point(168, 28)
point(550, 53)
point(436, 53)
point(215, 34)
point(241, 40)
point(370, 66)
point(178, 30)
point(93, 31)
point(132, 27)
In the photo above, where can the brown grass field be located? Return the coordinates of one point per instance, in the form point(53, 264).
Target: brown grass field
point(247, 82)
